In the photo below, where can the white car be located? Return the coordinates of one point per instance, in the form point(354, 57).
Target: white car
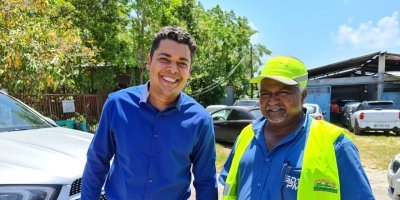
point(393, 177)
point(314, 111)
point(38, 159)
point(375, 116)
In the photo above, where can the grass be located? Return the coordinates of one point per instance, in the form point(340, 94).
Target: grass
point(376, 149)
point(223, 151)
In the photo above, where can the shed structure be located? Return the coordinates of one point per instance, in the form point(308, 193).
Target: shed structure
point(375, 76)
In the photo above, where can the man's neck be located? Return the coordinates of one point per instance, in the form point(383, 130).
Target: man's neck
point(161, 102)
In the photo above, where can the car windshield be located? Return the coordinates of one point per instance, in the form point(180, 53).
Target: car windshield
point(379, 105)
point(14, 116)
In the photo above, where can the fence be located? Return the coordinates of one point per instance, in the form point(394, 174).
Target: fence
point(50, 105)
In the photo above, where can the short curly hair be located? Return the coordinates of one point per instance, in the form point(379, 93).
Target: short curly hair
point(175, 33)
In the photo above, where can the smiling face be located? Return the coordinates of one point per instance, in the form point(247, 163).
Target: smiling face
point(280, 104)
point(169, 69)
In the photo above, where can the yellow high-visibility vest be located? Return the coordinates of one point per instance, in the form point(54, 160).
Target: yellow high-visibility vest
point(319, 178)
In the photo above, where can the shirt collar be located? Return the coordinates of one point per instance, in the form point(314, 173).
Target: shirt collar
point(144, 98)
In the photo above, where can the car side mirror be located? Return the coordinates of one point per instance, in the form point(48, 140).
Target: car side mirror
point(50, 121)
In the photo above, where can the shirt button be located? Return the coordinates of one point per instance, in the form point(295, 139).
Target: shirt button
point(156, 136)
point(150, 181)
point(258, 184)
point(267, 159)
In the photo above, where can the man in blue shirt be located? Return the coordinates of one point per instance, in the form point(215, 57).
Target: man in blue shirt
point(272, 162)
point(154, 134)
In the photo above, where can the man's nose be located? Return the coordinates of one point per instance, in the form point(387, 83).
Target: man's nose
point(173, 67)
point(273, 99)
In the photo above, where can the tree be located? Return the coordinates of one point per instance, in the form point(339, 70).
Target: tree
point(104, 25)
point(40, 48)
point(85, 46)
point(223, 57)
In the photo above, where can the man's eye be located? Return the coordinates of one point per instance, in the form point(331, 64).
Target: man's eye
point(183, 65)
point(163, 60)
point(265, 94)
point(283, 93)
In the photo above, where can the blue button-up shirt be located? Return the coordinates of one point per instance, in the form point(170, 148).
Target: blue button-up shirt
point(274, 174)
point(153, 151)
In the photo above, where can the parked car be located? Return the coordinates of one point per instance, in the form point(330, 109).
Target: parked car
point(393, 177)
point(39, 160)
point(247, 102)
point(376, 116)
point(314, 111)
point(229, 121)
point(212, 108)
point(348, 110)
point(342, 102)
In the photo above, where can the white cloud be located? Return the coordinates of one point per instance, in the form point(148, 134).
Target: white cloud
point(254, 39)
point(382, 35)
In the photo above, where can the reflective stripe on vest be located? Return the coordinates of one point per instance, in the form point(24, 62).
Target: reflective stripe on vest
point(319, 177)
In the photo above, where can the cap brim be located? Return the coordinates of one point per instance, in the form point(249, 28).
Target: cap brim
point(281, 79)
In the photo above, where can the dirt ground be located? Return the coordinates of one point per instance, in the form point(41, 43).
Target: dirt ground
point(379, 184)
point(376, 177)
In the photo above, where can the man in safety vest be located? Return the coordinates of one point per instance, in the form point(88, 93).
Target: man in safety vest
point(288, 155)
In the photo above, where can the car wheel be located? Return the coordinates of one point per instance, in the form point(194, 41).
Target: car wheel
point(398, 133)
point(357, 129)
point(350, 127)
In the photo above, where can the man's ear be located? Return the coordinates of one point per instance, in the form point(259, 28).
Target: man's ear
point(303, 96)
point(148, 61)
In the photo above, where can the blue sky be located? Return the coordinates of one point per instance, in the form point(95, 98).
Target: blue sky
point(320, 32)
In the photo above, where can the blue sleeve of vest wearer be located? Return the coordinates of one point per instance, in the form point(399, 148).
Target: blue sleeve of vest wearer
point(354, 183)
point(225, 169)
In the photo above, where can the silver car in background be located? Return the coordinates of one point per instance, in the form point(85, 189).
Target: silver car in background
point(38, 160)
point(314, 111)
point(212, 108)
point(247, 102)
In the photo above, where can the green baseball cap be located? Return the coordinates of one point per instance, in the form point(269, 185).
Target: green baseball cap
point(285, 69)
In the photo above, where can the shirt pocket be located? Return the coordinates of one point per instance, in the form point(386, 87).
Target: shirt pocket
point(290, 183)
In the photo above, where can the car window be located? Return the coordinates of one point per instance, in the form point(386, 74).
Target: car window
point(221, 114)
point(15, 116)
point(236, 115)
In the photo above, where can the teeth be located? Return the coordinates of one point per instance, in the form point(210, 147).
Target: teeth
point(172, 80)
point(274, 108)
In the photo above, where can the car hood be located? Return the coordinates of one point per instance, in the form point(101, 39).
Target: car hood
point(43, 156)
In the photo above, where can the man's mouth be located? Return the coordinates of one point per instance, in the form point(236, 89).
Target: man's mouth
point(275, 108)
point(169, 79)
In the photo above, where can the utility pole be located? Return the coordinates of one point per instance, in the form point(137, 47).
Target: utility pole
point(251, 70)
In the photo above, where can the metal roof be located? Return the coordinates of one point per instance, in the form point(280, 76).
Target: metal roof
point(366, 65)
